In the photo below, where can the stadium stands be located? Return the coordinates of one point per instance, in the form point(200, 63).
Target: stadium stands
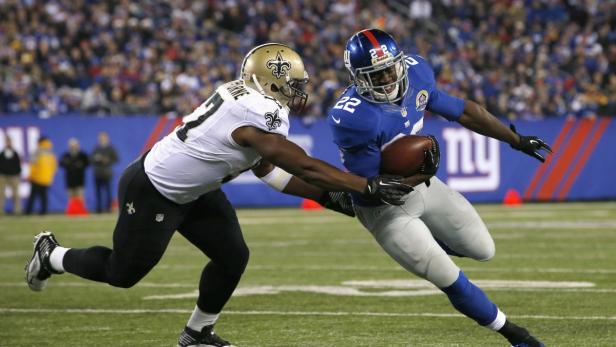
point(526, 59)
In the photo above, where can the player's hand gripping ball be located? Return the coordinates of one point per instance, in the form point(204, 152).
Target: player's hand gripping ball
point(410, 155)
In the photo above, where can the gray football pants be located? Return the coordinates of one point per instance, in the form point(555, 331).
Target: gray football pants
point(407, 233)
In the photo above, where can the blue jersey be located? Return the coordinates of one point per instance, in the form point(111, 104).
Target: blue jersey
point(361, 128)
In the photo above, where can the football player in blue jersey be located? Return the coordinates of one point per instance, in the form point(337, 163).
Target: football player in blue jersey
point(388, 98)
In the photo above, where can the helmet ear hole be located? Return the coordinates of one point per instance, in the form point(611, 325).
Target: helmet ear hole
point(274, 88)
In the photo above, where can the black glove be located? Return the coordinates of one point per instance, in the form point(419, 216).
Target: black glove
point(530, 145)
point(388, 189)
point(432, 158)
point(339, 202)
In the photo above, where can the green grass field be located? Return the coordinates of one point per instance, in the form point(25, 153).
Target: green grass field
point(316, 278)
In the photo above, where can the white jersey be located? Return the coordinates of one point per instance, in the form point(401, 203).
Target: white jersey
point(200, 155)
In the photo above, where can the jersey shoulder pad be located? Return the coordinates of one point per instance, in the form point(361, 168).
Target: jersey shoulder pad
point(248, 97)
point(419, 70)
point(265, 113)
point(353, 120)
point(353, 112)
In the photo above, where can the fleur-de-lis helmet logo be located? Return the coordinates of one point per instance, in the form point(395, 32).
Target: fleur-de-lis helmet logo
point(279, 66)
point(273, 120)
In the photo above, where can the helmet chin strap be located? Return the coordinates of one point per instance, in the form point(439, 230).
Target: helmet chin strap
point(253, 77)
point(254, 80)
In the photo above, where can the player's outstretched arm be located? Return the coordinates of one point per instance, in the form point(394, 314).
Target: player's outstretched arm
point(290, 157)
point(289, 185)
point(481, 121)
point(292, 185)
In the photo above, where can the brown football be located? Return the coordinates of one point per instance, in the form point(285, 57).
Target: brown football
point(405, 156)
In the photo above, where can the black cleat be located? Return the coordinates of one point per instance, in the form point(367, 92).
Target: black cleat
point(205, 338)
point(518, 336)
point(38, 269)
point(530, 341)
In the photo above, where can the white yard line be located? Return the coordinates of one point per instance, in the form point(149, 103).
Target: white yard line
point(397, 288)
point(544, 213)
point(524, 224)
point(81, 329)
point(395, 267)
point(609, 224)
point(589, 206)
point(98, 284)
point(352, 268)
point(296, 220)
point(390, 287)
point(543, 270)
point(530, 209)
point(561, 225)
point(335, 219)
point(12, 254)
point(284, 313)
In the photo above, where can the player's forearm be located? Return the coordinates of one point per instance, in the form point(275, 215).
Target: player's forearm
point(479, 120)
point(293, 185)
point(316, 172)
point(327, 177)
point(298, 187)
point(292, 158)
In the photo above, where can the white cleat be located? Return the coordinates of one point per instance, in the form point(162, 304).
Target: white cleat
point(38, 269)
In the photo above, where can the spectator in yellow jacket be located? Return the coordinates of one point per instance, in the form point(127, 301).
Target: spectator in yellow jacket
point(42, 171)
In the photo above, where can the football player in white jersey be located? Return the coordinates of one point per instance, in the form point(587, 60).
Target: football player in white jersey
point(176, 186)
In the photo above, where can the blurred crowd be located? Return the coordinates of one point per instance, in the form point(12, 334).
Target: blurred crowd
point(520, 58)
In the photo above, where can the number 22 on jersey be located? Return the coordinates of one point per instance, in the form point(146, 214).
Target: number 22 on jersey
point(347, 104)
point(199, 116)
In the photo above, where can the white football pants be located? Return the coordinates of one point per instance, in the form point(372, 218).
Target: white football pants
point(407, 233)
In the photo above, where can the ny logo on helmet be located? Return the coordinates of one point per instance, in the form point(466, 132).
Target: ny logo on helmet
point(273, 120)
point(279, 66)
point(347, 58)
point(377, 56)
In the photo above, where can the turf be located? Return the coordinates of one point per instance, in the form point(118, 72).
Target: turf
point(572, 246)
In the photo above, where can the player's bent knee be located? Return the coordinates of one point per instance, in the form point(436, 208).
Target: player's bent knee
point(486, 251)
point(242, 260)
point(236, 261)
point(489, 255)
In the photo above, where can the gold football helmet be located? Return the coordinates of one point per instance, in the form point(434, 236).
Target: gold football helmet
point(277, 70)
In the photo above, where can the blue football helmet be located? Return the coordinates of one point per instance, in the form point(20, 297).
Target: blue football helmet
point(376, 64)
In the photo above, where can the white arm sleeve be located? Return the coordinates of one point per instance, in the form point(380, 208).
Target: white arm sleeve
point(277, 178)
